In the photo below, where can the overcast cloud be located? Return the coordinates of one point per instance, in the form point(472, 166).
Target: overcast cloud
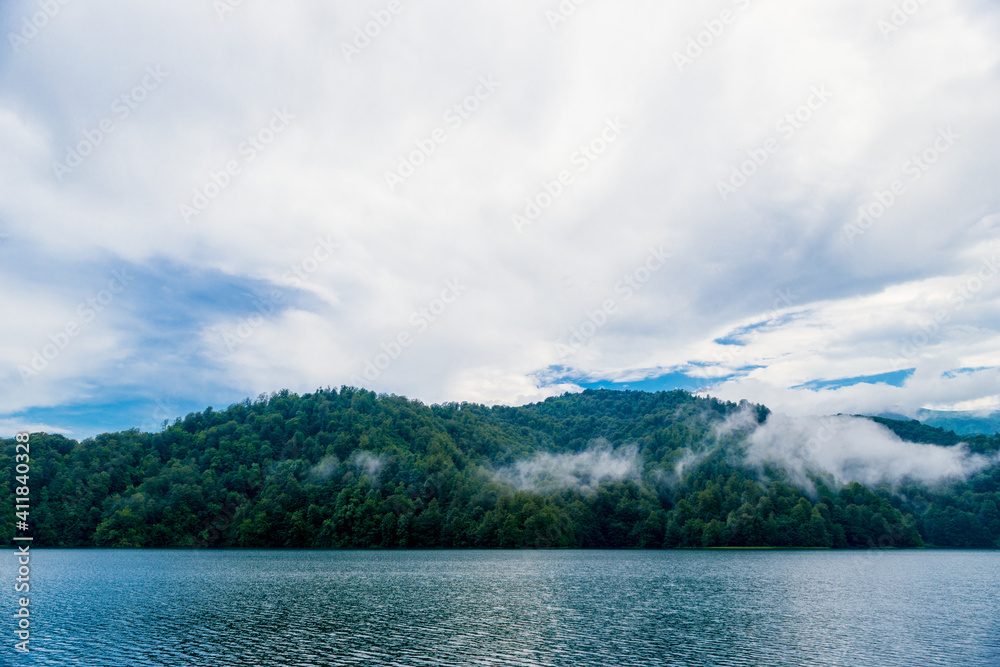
point(203, 201)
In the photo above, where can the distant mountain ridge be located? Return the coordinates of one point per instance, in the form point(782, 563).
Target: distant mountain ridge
point(962, 423)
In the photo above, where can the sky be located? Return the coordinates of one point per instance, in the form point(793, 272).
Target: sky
point(790, 203)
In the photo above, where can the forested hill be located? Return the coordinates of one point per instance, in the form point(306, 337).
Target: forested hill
point(349, 468)
point(916, 431)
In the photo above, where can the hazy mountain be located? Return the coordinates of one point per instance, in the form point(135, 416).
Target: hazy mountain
point(962, 423)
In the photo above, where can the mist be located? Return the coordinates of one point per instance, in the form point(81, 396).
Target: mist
point(583, 471)
point(851, 449)
point(367, 462)
point(689, 460)
point(364, 462)
point(323, 471)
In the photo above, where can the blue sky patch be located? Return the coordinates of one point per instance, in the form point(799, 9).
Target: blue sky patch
point(894, 379)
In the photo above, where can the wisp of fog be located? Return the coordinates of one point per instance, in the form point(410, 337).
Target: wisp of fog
point(581, 471)
point(850, 449)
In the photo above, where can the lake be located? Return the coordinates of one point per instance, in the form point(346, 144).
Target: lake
point(524, 608)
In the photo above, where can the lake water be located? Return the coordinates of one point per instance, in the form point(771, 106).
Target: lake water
point(524, 608)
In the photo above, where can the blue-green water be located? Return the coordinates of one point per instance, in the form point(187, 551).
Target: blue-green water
point(525, 608)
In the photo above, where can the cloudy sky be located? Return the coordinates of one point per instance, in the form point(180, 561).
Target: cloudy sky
point(496, 202)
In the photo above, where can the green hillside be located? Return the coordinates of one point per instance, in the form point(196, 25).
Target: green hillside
point(349, 468)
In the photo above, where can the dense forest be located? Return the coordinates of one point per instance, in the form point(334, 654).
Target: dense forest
point(351, 469)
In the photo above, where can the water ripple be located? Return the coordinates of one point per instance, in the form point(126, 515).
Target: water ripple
point(513, 609)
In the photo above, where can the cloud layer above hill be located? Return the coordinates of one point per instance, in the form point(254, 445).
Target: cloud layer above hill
point(202, 201)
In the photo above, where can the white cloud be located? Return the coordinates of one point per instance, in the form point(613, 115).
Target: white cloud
point(657, 184)
point(849, 449)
